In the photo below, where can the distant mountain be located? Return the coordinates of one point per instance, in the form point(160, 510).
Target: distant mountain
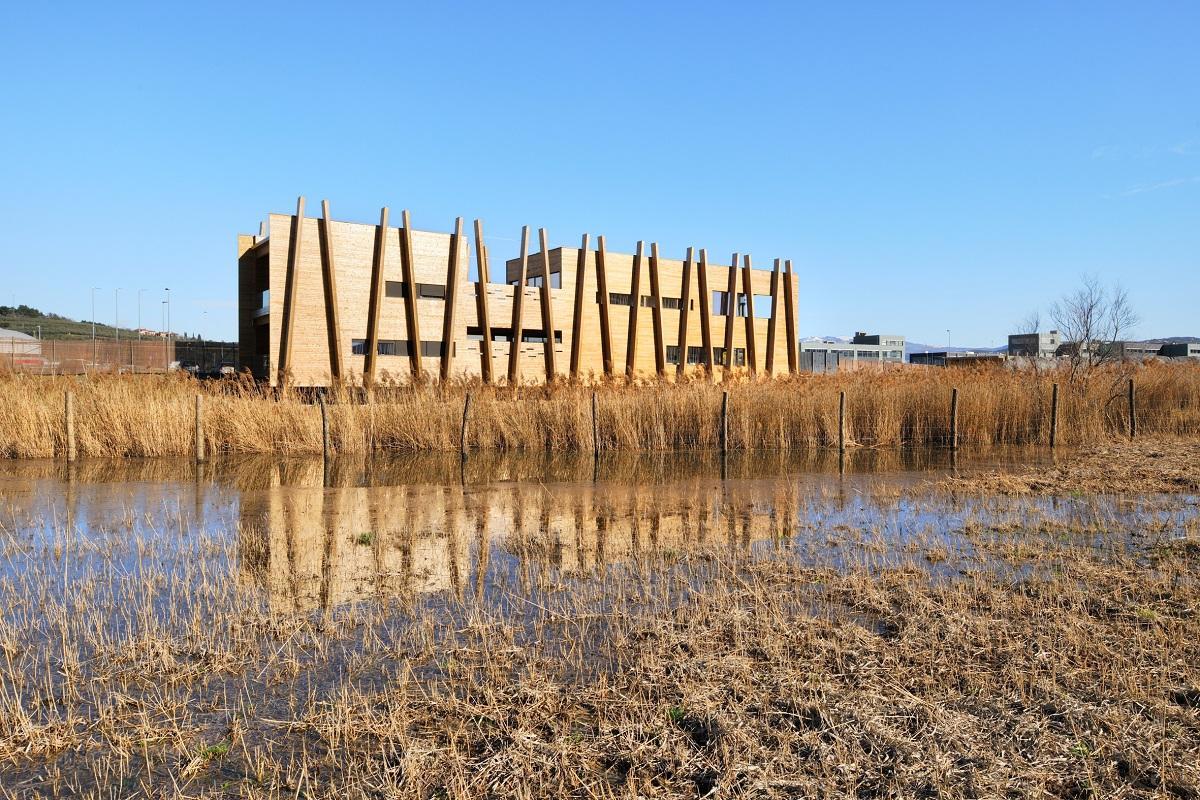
point(1176, 340)
point(918, 347)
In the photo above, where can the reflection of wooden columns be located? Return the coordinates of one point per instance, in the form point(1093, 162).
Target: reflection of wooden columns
point(376, 301)
point(685, 300)
point(514, 339)
point(481, 304)
point(634, 301)
point(772, 322)
point(291, 281)
point(789, 318)
point(411, 323)
point(577, 319)
point(706, 355)
point(547, 310)
point(602, 290)
point(452, 281)
point(660, 359)
point(329, 272)
point(748, 288)
point(730, 313)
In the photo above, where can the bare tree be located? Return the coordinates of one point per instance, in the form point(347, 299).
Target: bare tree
point(1092, 322)
point(1032, 322)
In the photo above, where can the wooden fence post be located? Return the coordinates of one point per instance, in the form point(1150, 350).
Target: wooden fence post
point(1132, 415)
point(199, 429)
point(1053, 415)
point(595, 427)
point(325, 443)
point(70, 420)
point(724, 429)
point(462, 440)
point(841, 422)
point(954, 418)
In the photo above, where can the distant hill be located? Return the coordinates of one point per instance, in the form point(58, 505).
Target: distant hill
point(27, 319)
point(918, 347)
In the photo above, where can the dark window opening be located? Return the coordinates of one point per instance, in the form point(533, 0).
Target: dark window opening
point(618, 299)
point(672, 354)
point(435, 291)
point(530, 336)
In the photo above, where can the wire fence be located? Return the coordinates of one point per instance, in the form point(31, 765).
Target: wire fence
point(57, 357)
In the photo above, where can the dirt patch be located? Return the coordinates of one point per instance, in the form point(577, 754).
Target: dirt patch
point(1159, 465)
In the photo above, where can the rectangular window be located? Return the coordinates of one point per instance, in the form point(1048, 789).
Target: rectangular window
point(720, 304)
point(432, 349)
point(672, 354)
point(742, 309)
point(392, 347)
point(719, 356)
point(739, 356)
point(620, 299)
point(673, 303)
point(393, 289)
point(695, 355)
point(358, 347)
point(435, 291)
point(763, 306)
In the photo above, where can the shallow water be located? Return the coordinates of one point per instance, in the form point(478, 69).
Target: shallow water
point(315, 536)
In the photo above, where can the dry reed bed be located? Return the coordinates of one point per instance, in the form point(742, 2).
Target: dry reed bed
point(138, 416)
point(1035, 666)
point(1119, 467)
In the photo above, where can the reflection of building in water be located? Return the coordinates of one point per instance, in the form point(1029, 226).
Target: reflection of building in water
point(315, 547)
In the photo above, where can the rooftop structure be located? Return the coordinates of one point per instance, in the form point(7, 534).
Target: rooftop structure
point(1034, 345)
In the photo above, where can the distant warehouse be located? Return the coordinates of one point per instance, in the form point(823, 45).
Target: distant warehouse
point(829, 355)
point(323, 301)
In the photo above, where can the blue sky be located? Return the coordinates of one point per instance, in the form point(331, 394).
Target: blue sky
point(926, 166)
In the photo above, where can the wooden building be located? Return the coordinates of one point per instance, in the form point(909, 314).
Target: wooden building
point(323, 301)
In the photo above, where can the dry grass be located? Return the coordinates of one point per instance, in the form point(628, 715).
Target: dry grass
point(1036, 652)
point(1123, 467)
point(136, 416)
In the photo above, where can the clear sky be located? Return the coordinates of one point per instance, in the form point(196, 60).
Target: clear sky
point(926, 166)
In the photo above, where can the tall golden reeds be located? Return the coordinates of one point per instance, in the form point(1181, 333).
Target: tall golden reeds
point(146, 416)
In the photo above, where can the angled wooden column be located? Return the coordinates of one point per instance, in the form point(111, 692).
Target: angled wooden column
point(730, 314)
point(706, 345)
point(660, 357)
point(291, 283)
point(685, 300)
point(376, 300)
point(547, 309)
point(577, 320)
point(789, 317)
point(411, 323)
point(514, 340)
point(606, 350)
point(333, 327)
point(635, 301)
point(481, 305)
point(772, 324)
point(751, 344)
point(453, 267)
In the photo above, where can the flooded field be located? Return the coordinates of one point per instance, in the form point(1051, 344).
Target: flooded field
point(626, 626)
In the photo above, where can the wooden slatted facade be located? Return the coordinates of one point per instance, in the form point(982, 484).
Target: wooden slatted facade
point(322, 299)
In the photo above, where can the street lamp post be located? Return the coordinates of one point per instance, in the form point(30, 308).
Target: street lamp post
point(94, 288)
point(167, 344)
